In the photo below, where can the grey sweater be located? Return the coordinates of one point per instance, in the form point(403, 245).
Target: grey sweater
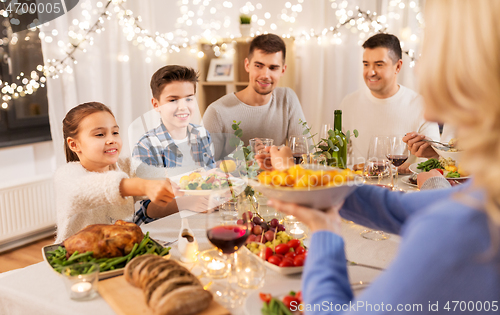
point(277, 120)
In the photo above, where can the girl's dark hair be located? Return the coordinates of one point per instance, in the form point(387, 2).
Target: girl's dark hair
point(72, 121)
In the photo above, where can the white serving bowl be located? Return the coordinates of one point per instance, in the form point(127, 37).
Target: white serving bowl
point(322, 197)
point(455, 156)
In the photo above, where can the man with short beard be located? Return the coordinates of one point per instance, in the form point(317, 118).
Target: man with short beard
point(385, 107)
point(265, 110)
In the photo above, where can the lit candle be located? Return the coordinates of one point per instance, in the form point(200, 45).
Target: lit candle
point(215, 265)
point(298, 232)
point(81, 289)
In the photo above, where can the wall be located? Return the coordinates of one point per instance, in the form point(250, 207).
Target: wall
point(26, 162)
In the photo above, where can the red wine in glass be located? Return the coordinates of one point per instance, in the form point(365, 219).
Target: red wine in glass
point(397, 159)
point(228, 238)
point(298, 158)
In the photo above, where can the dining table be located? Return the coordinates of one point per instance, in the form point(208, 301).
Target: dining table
point(37, 289)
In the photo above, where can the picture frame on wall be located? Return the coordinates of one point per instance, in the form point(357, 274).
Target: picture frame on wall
point(221, 70)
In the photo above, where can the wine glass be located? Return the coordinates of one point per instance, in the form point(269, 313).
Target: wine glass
point(228, 236)
point(300, 149)
point(377, 171)
point(398, 154)
point(323, 132)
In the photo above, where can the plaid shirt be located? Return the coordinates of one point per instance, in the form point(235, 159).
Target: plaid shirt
point(157, 148)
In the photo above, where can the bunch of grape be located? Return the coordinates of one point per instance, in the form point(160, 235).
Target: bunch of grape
point(261, 231)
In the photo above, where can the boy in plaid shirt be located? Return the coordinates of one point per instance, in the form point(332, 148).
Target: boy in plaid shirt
point(176, 142)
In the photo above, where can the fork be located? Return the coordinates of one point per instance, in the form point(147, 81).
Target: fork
point(352, 263)
point(164, 243)
point(446, 145)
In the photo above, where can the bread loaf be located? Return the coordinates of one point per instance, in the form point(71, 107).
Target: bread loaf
point(162, 277)
point(153, 269)
point(187, 300)
point(143, 264)
point(130, 267)
point(168, 287)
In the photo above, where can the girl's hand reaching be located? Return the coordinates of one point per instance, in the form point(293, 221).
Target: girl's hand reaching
point(161, 192)
point(194, 203)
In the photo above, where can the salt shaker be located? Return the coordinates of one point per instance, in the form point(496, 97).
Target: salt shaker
point(188, 246)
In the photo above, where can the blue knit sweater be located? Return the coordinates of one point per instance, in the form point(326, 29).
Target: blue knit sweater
point(440, 259)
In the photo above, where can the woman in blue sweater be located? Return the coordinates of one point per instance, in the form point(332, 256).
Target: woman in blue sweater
point(449, 252)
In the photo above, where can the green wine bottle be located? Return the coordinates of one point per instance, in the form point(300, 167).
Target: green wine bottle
point(342, 145)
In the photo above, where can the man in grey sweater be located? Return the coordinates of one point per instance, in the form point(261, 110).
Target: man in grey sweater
point(265, 111)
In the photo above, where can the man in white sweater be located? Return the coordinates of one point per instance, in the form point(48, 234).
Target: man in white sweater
point(384, 107)
point(265, 111)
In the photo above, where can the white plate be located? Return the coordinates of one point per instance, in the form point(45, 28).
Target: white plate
point(414, 169)
point(253, 303)
point(322, 197)
point(238, 187)
point(281, 270)
point(406, 180)
point(102, 275)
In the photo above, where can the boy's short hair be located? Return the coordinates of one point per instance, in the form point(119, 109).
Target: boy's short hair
point(172, 73)
point(268, 43)
point(388, 41)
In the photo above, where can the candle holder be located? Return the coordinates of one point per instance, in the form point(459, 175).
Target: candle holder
point(81, 280)
point(249, 271)
point(213, 264)
point(294, 227)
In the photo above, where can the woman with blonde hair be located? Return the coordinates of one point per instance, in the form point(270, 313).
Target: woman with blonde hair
point(449, 247)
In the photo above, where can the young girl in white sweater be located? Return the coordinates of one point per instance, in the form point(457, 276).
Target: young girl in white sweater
point(96, 186)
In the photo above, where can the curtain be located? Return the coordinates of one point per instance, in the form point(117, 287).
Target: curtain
point(117, 73)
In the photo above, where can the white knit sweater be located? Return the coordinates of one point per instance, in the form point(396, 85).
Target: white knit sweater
point(85, 197)
point(371, 116)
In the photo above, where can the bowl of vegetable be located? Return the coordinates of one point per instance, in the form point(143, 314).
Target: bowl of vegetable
point(313, 186)
point(445, 154)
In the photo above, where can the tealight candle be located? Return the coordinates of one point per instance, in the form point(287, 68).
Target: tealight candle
point(296, 232)
point(81, 280)
point(213, 264)
point(216, 265)
point(81, 290)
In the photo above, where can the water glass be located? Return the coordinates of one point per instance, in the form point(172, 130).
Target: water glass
point(258, 144)
point(229, 211)
point(249, 270)
point(266, 212)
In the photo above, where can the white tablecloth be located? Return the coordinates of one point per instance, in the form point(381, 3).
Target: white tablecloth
point(38, 290)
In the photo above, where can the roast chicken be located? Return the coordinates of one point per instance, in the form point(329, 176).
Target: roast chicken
point(105, 240)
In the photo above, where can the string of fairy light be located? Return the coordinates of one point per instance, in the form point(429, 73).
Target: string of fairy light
point(82, 32)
